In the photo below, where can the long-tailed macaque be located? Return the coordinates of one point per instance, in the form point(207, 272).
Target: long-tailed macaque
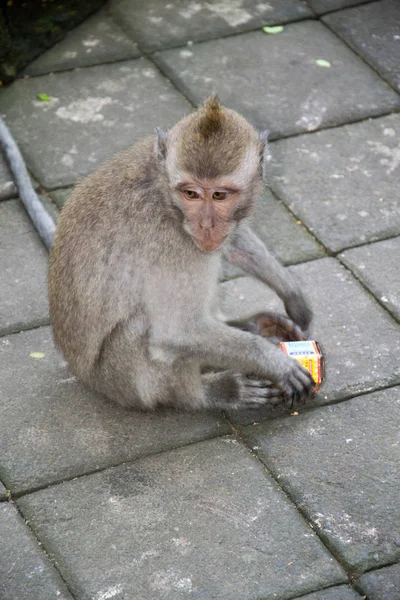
point(134, 269)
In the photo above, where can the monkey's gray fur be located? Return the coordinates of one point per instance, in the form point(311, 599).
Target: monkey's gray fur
point(133, 298)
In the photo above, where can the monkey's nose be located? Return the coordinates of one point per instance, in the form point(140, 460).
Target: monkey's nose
point(206, 223)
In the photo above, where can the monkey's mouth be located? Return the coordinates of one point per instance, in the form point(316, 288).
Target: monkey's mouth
point(209, 245)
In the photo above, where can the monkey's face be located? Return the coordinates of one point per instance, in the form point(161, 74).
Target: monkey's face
point(211, 211)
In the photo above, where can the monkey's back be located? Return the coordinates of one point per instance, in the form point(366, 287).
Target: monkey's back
point(104, 235)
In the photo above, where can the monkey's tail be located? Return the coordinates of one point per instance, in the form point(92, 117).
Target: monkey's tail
point(41, 219)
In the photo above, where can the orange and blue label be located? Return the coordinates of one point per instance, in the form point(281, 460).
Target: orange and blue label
point(307, 353)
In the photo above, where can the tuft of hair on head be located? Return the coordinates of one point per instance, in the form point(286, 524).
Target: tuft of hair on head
point(211, 117)
point(214, 140)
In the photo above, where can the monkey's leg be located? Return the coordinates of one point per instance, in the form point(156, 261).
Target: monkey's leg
point(270, 325)
point(231, 391)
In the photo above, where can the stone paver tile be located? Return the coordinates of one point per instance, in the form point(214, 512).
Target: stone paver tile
point(335, 593)
point(53, 429)
point(324, 6)
point(7, 186)
point(343, 183)
point(3, 491)
point(60, 196)
point(373, 31)
point(360, 340)
point(287, 239)
point(99, 39)
point(383, 584)
point(200, 522)
point(340, 466)
point(23, 271)
point(376, 265)
point(157, 24)
point(284, 237)
point(25, 572)
point(286, 91)
point(93, 114)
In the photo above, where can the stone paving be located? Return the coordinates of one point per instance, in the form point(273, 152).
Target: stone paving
point(98, 502)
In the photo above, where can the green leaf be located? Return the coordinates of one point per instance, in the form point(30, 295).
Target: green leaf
point(323, 63)
point(37, 355)
point(44, 97)
point(273, 30)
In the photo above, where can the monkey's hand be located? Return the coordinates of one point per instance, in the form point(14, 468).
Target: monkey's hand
point(298, 310)
point(294, 380)
point(271, 325)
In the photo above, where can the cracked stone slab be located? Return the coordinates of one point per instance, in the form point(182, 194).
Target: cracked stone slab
point(23, 272)
point(25, 571)
point(342, 592)
point(157, 24)
point(377, 267)
point(53, 429)
point(383, 583)
point(286, 91)
point(342, 183)
point(98, 40)
point(324, 6)
point(360, 341)
point(373, 31)
point(340, 466)
point(204, 521)
point(93, 114)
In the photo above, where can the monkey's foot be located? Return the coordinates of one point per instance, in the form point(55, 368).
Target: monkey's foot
point(233, 391)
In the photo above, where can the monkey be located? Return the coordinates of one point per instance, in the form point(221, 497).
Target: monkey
point(134, 266)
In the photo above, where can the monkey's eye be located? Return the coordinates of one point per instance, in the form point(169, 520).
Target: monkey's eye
point(191, 194)
point(220, 195)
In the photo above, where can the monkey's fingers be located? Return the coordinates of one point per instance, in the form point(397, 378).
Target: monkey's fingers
point(264, 392)
point(302, 384)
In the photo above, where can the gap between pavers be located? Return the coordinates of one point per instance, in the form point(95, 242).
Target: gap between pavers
point(324, 6)
point(95, 41)
point(377, 267)
point(204, 521)
point(335, 593)
point(340, 466)
point(25, 571)
point(382, 584)
point(372, 30)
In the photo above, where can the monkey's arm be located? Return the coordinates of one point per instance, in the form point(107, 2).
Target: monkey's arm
point(248, 252)
point(216, 343)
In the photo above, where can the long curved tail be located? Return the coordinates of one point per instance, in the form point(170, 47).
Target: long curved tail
point(41, 219)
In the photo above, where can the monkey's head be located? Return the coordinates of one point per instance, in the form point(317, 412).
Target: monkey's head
point(213, 163)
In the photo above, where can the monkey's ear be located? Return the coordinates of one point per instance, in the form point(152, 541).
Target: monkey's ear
point(161, 144)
